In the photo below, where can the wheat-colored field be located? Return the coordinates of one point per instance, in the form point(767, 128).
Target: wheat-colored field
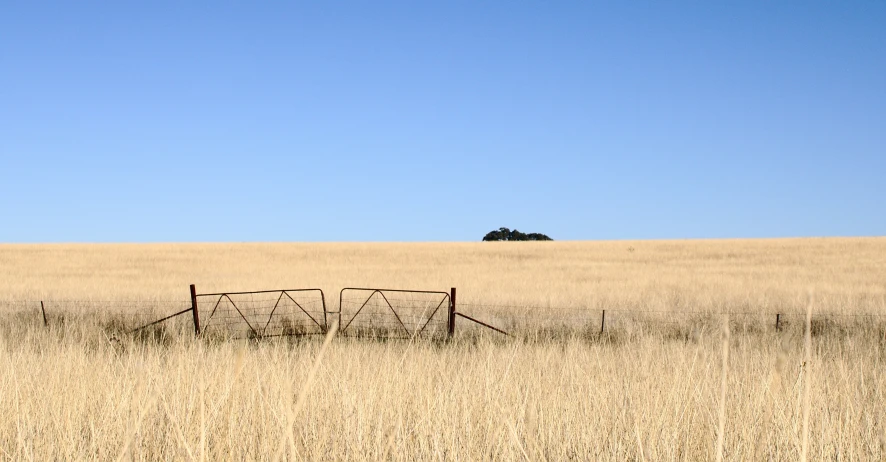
point(71, 392)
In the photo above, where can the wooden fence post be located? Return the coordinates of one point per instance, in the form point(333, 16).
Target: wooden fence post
point(194, 310)
point(778, 321)
point(451, 312)
point(603, 322)
point(43, 309)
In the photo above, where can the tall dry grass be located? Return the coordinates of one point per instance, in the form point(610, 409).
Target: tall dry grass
point(71, 392)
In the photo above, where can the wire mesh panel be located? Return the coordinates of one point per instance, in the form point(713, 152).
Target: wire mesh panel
point(391, 313)
point(269, 313)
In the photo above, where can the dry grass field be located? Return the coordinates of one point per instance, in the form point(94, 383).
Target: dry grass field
point(69, 392)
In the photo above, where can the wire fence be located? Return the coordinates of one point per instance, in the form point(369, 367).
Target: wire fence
point(115, 318)
point(130, 310)
point(363, 312)
point(546, 320)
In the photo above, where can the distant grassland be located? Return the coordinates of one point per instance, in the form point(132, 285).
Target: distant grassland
point(847, 275)
point(70, 392)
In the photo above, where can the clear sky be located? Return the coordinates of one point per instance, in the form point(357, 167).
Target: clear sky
point(440, 121)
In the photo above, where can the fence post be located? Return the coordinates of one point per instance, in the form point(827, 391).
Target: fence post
point(603, 321)
point(43, 309)
point(777, 321)
point(194, 310)
point(452, 312)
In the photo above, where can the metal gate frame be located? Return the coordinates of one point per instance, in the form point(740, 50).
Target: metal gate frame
point(446, 297)
point(283, 292)
point(452, 314)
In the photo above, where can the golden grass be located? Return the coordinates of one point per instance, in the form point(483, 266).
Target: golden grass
point(848, 274)
point(70, 393)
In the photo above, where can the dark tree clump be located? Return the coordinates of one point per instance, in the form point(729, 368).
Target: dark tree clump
point(505, 234)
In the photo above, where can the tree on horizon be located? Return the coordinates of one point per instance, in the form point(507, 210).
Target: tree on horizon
point(505, 234)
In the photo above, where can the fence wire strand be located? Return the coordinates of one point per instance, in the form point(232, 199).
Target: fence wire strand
point(395, 314)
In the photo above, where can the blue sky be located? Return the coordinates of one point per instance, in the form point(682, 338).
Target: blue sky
point(440, 121)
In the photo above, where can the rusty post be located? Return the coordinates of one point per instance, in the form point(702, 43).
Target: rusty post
point(194, 310)
point(778, 321)
point(452, 312)
point(43, 309)
point(603, 322)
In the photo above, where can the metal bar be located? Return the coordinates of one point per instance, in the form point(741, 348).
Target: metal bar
point(432, 316)
point(272, 312)
point(394, 290)
point(408, 337)
point(325, 322)
point(194, 310)
point(258, 292)
point(254, 332)
point(300, 334)
point(358, 311)
point(394, 311)
point(603, 322)
point(301, 308)
point(451, 326)
point(214, 308)
point(339, 312)
point(483, 324)
point(161, 320)
point(43, 309)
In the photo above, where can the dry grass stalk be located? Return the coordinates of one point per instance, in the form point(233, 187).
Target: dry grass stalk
point(807, 378)
point(724, 378)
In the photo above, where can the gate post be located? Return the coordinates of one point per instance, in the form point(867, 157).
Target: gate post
point(452, 312)
point(194, 310)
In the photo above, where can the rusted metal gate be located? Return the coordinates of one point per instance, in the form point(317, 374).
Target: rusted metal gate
point(260, 314)
point(374, 313)
point(394, 313)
